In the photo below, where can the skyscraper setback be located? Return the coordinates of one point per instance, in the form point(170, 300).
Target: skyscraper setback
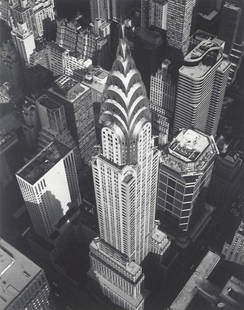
point(125, 180)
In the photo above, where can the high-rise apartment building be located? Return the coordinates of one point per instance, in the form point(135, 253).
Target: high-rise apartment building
point(125, 181)
point(162, 100)
point(23, 284)
point(201, 87)
point(24, 42)
point(234, 252)
point(100, 9)
point(184, 174)
point(179, 19)
point(4, 10)
point(55, 54)
point(21, 13)
point(77, 100)
point(49, 186)
point(158, 13)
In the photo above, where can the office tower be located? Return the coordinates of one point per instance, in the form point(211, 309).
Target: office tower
point(144, 13)
point(75, 66)
point(24, 42)
point(158, 13)
point(42, 10)
point(100, 9)
point(67, 32)
point(49, 187)
point(125, 180)
point(77, 101)
point(162, 99)
point(226, 180)
point(54, 124)
point(21, 13)
point(184, 174)
point(201, 87)
point(86, 44)
point(234, 250)
point(4, 10)
point(31, 124)
point(179, 19)
point(55, 58)
point(23, 283)
point(229, 22)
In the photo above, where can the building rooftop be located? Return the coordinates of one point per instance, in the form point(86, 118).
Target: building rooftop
point(48, 102)
point(97, 79)
point(6, 139)
point(43, 162)
point(16, 272)
point(68, 88)
point(189, 291)
point(202, 58)
point(189, 152)
point(189, 145)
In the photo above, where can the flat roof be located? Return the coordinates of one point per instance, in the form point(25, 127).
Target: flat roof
point(201, 273)
point(189, 145)
point(195, 66)
point(16, 272)
point(48, 102)
point(68, 88)
point(43, 162)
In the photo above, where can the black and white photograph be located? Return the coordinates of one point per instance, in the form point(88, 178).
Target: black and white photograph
point(121, 154)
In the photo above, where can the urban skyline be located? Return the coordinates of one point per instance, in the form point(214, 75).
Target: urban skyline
point(121, 154)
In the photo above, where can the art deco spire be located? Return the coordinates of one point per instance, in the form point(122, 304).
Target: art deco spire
point(126, 107)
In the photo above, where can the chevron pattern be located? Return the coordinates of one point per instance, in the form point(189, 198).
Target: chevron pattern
point(125, 105)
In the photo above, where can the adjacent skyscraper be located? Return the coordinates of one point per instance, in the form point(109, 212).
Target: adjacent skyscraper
point(23, 284)
point(24, 42)
point(184, 173)
point(78, 105)
point(125, 180)
point(100, 9)
point(201, 87)
point(162, 99)
point(179, 19)
point(158, 13)
point(49, 186)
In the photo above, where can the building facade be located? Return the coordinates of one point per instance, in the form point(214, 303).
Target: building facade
point(158, 13)
point(234, 252)
point(23, 284)
point(125, 181)
point(78, 105)
point(24, 42)
point(100, 9)
point(162, 100)
point(49, 186)
point(179, 19)
point(184, 174)
point(201, 87)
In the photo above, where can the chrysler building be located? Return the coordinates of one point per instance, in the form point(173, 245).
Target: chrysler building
point(125, 175)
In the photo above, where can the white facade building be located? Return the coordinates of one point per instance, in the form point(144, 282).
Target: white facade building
point(49, 184)
point(24, 42)
point(201, 88)
point(125, 180)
